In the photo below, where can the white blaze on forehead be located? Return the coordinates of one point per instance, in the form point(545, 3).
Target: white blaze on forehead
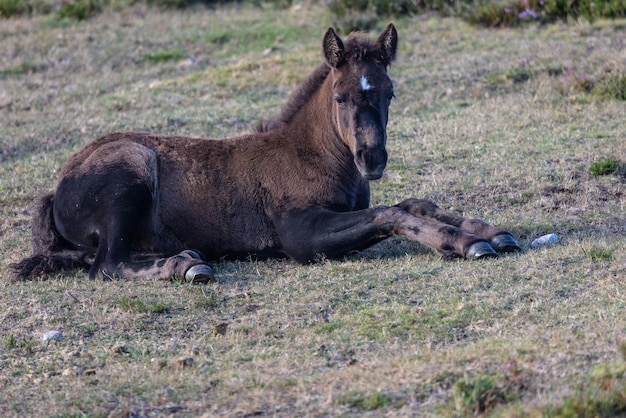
point(365, 84)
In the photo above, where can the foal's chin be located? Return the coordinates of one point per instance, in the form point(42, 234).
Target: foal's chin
point(371, 165)
point(372, 174)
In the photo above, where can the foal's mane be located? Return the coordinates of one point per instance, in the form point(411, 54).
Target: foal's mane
point(357, 48)
point(297, 99)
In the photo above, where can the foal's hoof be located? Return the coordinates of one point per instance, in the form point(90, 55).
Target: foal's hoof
point(505, 243)
point(200, 273)
point(480, 249)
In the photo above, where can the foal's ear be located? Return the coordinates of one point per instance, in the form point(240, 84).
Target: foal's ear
point(387, 43)
point(333, 48)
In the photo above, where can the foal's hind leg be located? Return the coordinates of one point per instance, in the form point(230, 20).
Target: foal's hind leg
point(106, 201)
point(500, 240)
point(184, 266)
point(113, 258)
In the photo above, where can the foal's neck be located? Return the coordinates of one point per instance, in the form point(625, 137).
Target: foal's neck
point(315, 119)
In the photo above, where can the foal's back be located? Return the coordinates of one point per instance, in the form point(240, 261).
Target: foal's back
point(217, 196)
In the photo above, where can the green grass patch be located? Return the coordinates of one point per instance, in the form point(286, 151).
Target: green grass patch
point(605, 167)
point(165, 56)
point(81, 9)
point(20, 69)
point(10, 8)
point(11, 342)
point(258, 35)
point(600, 254)
point(476, 396)
point(365, 402)
point(18, 343)
point(611, 87)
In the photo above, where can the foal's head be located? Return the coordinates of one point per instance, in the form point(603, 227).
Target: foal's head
point(362, 92)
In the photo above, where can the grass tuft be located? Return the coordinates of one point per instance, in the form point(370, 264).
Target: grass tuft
point(477, 396)
point(80, 9)
point(10, 8)
point(11, 342)
point(605, 167)
point(611, 87)
point(165, 56)
point(600, 254)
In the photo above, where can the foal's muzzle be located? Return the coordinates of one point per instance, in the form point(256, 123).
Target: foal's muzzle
point(371, 162)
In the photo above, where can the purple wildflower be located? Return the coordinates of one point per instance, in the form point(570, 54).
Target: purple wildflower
point(68, 293)
point(527, 12)
point(507, 10)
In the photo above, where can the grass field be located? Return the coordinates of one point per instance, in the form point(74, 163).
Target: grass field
point(521, 127)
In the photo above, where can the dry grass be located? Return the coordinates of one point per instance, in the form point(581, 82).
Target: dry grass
point(484, 124)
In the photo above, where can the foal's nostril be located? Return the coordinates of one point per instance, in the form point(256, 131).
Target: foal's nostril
point(359, 155)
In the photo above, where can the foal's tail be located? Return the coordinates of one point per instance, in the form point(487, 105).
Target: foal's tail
point(51, 252)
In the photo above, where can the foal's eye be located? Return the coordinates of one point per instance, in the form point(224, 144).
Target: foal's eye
point(340, 101)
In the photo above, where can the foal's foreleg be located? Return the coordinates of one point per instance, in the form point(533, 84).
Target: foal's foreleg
point(307, 233)
point(500, 239)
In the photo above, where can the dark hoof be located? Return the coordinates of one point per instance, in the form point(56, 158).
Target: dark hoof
point(480, 249)
point(505, 243)
point(200, 273)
